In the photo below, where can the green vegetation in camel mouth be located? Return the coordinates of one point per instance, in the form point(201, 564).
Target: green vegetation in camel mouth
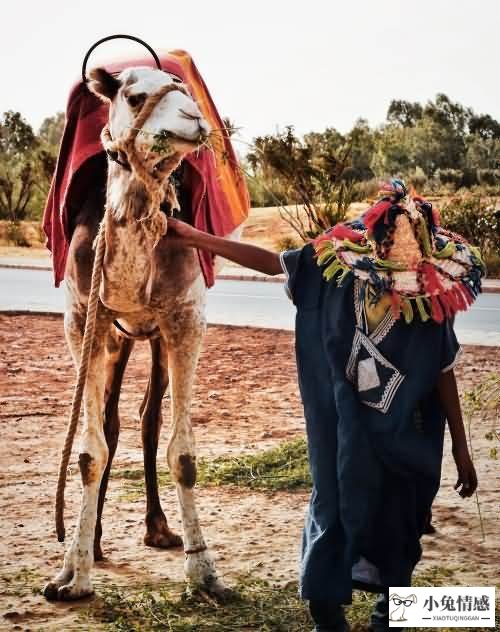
point(163, 142)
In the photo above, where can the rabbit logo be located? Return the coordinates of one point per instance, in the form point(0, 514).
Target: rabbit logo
point(401, 603)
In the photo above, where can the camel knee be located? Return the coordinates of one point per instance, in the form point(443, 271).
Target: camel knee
point(91, 468)
point(92, 461)
point(183, 469)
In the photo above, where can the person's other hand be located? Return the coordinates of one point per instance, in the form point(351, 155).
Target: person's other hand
point(467, 477)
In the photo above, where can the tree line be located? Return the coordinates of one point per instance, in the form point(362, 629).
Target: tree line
point(27, 162)
point(439, 144)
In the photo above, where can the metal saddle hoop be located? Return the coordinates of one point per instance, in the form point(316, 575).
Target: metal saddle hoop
point(113, 37)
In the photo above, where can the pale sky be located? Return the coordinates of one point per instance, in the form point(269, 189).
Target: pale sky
point(267, 63)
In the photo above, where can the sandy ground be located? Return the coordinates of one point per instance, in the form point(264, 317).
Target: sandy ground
point(246, 400)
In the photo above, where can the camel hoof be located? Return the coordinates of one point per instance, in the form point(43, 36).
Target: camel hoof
point(164, 539)
point(71, 593)
point(215, 589)
point(225, 596)
point(50, 591)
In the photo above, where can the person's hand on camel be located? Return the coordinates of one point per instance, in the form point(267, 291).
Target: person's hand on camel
point(181, 232)
point(246, 255)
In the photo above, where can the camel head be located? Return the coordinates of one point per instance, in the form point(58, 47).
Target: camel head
point(175, 125)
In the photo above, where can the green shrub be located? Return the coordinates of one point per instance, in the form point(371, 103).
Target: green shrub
point(287, 243)
point(450, 177)
point(417, 178)
point(493, 265)
point(489, 177)
point(367, 189)
point(311, 176)
point(263, 193)
point(476, 218)
point(15, 235)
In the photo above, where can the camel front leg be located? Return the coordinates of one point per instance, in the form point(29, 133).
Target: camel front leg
point(184, 344)
point(74, 581)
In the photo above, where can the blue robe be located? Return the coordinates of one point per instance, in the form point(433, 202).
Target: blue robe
point(375, 432)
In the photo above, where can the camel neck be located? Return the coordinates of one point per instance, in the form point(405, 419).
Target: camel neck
point(126, 197)
point(129, 249)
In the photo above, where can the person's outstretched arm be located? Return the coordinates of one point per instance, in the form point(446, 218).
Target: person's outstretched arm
point(246, 255)
point(448, 394)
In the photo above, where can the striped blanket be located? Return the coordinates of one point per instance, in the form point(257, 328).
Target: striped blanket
point(220, 201)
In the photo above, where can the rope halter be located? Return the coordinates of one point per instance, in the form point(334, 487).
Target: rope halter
point(154, 180)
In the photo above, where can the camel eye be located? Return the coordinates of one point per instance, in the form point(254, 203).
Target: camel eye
point(134, 100)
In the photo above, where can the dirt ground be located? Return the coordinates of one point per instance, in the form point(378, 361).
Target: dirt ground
point(246, 400)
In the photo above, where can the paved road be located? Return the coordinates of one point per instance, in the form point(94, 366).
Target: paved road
point(235, 303)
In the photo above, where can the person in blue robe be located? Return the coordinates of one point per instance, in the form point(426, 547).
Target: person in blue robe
point(375, 351)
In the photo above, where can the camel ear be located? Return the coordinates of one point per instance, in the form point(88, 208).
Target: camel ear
point(413, 598)
point(103, 84)
point(391, 597)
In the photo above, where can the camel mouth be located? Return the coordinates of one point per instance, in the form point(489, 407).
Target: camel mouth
point(165, 141)
point(185, 140)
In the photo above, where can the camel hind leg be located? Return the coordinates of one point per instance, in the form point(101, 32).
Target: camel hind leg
point(118, 351)
point(158, 533)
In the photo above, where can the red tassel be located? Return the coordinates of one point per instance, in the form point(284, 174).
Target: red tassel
point(432, 283)
point(323, 237)
point(341, 231)
point(373, 214)
point(468, 296)
point(461, 302)
point(437, 311)
point(447, 304)
point(395, 305)
point(452, 299)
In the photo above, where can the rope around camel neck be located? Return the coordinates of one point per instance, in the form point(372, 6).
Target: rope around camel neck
point(157, 227)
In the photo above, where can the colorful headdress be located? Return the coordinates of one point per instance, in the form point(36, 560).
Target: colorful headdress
point(398, 247)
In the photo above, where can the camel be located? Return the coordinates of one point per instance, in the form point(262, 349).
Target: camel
point(150, 289)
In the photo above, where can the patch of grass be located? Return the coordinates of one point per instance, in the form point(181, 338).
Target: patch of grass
point(19, 583)
point(284, 467)
point(258, 607)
